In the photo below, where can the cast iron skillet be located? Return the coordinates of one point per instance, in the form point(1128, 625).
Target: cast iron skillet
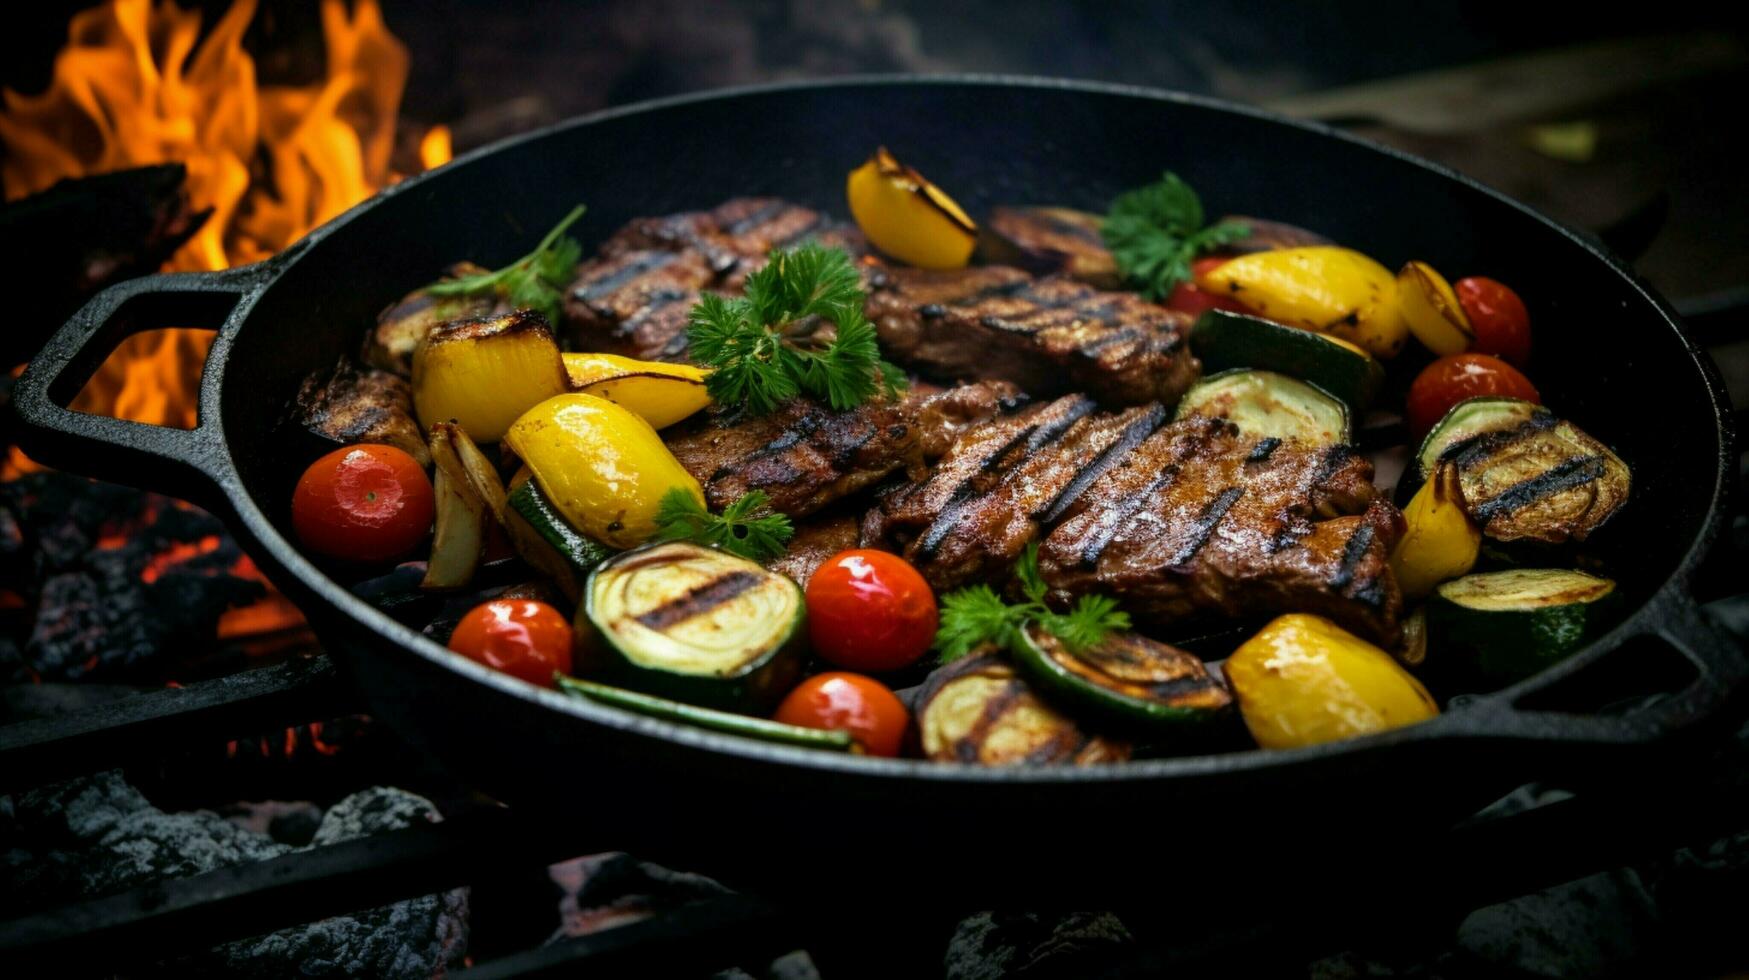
point(1609, 355)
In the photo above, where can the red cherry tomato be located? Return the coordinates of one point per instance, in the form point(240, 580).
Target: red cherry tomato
point(839, 701)
point(1452, 379)
point(1188, 297)
point(521, 637)
point(1498, 317)
point(363, 503)
point(870, 610)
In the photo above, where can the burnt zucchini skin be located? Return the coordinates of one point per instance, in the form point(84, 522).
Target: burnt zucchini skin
point(1462, 424)
point(753, 685)
point(1224, 340)
point(1128, 682)
point(762, 729)
point(1538, 618)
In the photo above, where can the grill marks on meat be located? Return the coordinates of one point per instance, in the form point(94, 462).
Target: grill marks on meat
point(803, 455)
point(1048, 335)
point(1197, 521)
point(971, 517)
point(634, 297)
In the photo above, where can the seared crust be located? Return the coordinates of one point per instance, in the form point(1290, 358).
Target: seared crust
point(817, 539)
point(634, 297)
point(1049, 336)
point(1201, 520)
point(354, 405)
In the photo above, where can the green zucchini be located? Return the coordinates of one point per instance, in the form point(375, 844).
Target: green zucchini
point(581, 551)
point(1224, 340)
point(695, 624)
point(836, 740)
point(1266, 404)
point(1468, 419)
point(978, 710)
point(1511, 624)
point(1127, 681)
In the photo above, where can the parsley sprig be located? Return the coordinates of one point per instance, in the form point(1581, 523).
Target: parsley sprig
point(974, 616)
point(536, 281)
point(744, 528)
point(1154, 233)
point(759, 346)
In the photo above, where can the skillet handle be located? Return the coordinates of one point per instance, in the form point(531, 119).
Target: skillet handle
point(1720, 667)
point(187, 463)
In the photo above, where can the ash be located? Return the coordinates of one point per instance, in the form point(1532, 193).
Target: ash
point(98, 835)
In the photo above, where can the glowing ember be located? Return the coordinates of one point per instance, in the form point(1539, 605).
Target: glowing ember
point(137, 85)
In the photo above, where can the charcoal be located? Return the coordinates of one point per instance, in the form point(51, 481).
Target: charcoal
point(119, 583)
point(604, 890)
point(97, 835)
point(993, 945)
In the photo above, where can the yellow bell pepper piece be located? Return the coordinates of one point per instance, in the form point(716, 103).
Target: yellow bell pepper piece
point(1430, 308)
point(601, 465)
point(1303, 680)
point(1326, 288)
point(483, 374)
point(1441, 543)
point(661, 392)
point(907, 217)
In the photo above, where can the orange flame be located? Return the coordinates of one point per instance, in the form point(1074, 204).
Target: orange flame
point(137, 85)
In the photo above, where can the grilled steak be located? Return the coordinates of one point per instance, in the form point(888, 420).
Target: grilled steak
point(803, 455)
point(981, 527)
point(1199, 519)
point(1047, 240)
point(354, 405)
point(633, 299)
point(1049, 336)
point(817, 539)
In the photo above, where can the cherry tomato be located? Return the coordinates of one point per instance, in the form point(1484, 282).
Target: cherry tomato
point(363, 503)
point(522, 637)
point(870, 610)
point(862, 706)
point(1188, 297)
point(1454, 378)
point(1498, 317)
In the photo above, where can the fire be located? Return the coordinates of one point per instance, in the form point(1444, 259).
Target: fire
point(138, 85)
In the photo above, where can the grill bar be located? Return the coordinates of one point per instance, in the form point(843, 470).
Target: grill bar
point(105, 736)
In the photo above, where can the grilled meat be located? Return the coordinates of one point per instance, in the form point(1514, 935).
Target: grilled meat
point(979, 532)
point(1049, 336)
point(943, 414)
point(351, 406)
point(1200, 519)
point(1047, 240)
point(803, 455)
point(633, 299)
point(817, 539)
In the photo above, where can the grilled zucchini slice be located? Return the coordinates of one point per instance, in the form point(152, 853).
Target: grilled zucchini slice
point(1468, 419)
point(695, 624)
point(1225, 341)
point(1544, 480)
point(1128, 681)
point(1511, 624)
point(1269, 405)
point(978, 710)
point(836, 740)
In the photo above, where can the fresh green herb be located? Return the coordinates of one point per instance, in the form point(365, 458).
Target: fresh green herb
point(741, 529)
point(1154, 233)
point(755, 344)
point(974, 616)
point(536, 281)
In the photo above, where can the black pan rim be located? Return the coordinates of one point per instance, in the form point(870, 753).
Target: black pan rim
point(1449, 725)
